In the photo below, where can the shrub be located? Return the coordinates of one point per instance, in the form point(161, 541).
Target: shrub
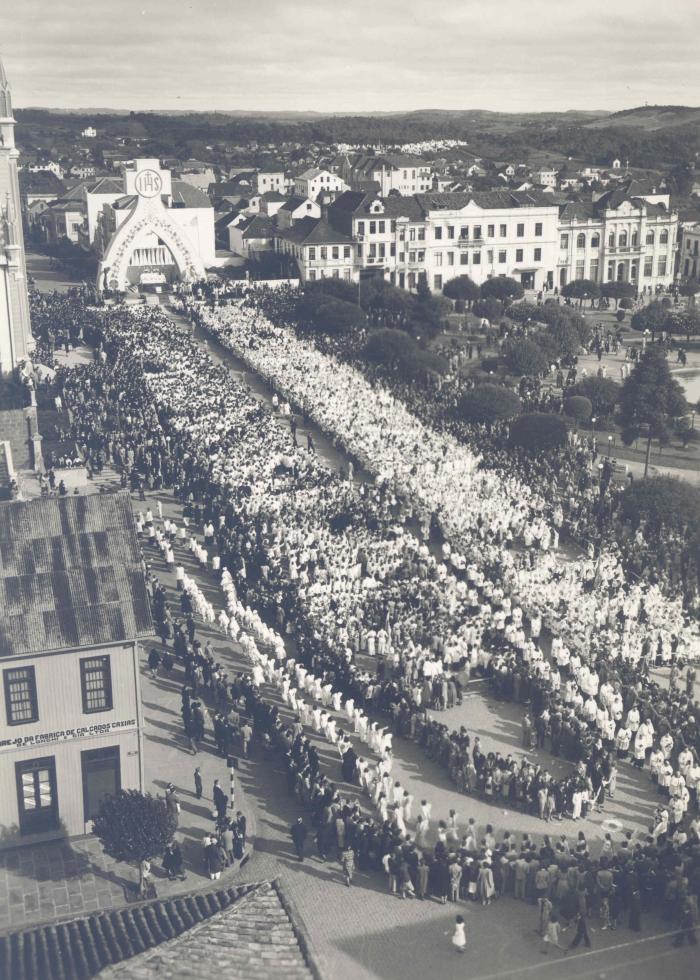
point(625, 303)
point(488, 403)
point(490, 363)
point(578, 407)
point(620, 316)
point(603, 394)
point(524, 356)
point(539, 432)
point(521, 312)
point(651, 317)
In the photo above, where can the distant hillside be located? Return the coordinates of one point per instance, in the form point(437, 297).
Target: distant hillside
point(649, 117)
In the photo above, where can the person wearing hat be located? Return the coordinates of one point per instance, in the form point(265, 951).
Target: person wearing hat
point(172, 802)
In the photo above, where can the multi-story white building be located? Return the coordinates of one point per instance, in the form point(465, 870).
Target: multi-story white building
point(270, 180)
point(526, 235)
point(442, 236)
point(689, 254)
point(388, 172)
point(546, 176)
point(314, 180)
point(89, 133)
point(618, 238)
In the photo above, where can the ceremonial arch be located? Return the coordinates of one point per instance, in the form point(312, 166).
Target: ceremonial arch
point(151, 243)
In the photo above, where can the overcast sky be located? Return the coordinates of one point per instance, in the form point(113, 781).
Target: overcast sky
point(352, 55)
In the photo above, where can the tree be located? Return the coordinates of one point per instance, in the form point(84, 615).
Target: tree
point(336, 316)
point(488, 403)
point(662, 501)
point(316, 311)
point(689, 288)
point(603, 394)
point(581, 289)
point(385, 347)
point(423, 289)
point(524, 356)
point(539, 432)
point(651, 318)
point(578, 407)
point(650, 400)
point(398, 353)
point(338, 288)
point(384, 301)
point(522, 312)
point(462, 287)
point(565, 338)
point(419, 364)
point(502, 287)
point(132, 827)
point(618, 291)
point(683, 321)
point(490, 309)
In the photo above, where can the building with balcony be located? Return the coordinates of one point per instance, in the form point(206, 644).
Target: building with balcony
point(74, 603)
point(444, 235)
point(618, 238)
point(317, 250)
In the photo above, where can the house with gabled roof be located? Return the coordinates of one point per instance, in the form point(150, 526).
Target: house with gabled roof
point(318, 250)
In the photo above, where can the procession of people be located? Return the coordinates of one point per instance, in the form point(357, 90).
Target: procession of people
point(369, 604)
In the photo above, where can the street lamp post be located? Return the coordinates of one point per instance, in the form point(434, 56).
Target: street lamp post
point(610, 439)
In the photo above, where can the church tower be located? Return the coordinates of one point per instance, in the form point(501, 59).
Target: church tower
point(15, 327)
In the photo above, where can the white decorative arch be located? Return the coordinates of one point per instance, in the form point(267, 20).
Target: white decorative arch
point(147, 217)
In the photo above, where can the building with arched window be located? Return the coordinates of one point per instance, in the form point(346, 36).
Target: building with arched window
point(618, 237)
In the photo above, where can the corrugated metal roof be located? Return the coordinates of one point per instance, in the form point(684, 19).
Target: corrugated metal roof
point(70, 574)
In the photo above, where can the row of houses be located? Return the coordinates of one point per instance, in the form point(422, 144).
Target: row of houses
point(358, 217)
point(620, 235)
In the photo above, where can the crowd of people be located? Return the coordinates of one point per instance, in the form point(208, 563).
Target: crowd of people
point(378, 618)
point(588, 509)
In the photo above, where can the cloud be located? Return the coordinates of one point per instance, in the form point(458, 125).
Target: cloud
point(361, 55)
